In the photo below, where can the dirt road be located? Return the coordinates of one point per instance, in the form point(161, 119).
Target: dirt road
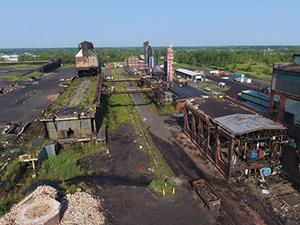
point(188, 164)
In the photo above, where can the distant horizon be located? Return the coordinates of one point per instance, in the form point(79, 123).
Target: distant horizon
point(182, 46)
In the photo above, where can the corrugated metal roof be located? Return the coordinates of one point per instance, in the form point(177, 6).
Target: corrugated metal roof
point(215, 108)
point(186, 92)
point(244, 123)
point(188, 72)
point(258, 107)
point(257, 94)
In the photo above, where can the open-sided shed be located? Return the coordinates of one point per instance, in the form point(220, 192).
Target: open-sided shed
point(237, 141)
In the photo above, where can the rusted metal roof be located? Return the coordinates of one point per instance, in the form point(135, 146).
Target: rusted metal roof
point(216, 108)
point(287, 67)
point(244, 123)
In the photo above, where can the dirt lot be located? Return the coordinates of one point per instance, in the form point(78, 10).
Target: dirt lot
point(127, 198)
point(125, 160)
point(29, 98)
point(124, 189)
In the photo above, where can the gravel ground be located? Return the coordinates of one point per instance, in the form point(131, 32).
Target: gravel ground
point(28, 100)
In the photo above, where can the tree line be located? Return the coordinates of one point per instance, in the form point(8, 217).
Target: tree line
point(208, 56)
point(222, 58)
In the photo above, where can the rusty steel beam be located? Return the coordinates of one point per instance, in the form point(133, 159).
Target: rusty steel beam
point(281, 107)
point(288, 95)
point(129, 91)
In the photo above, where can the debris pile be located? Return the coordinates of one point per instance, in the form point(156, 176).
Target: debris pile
point(78, 208)
point(277, 194)
point(39, 194)
point(81, 208)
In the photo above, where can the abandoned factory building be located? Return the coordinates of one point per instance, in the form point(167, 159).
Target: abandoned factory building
point(237, 141)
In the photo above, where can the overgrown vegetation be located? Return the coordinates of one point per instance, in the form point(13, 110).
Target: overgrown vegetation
point(64, 166)
point(254, 63)
point(161, 167)
point(65, 96)
point(65, 188)
point(127, 109)
point(20, 77)
point(89, 95)
point(117, 112)
point(166, 108)
point(56, 168)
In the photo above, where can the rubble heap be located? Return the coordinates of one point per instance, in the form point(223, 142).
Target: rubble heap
point(78, 208)
point(83, 209)
point(39, 194)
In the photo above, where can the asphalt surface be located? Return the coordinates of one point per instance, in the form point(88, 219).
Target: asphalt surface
point(27, 101)
point(234, 86)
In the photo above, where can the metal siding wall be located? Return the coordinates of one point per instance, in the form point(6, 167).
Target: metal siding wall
point(51, 131)
point(93, 61)
point(255, 100)
point(297, 60)
point(81, 128)
point(288, 86)
point(293, 106)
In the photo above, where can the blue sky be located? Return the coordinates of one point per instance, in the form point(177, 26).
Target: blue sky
point(117, 23)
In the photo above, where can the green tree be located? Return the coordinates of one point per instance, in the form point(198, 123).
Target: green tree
point(183, 57)
point(249, 68)
point(268, 71)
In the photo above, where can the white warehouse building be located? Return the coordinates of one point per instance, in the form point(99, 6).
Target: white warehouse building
point(185, 75)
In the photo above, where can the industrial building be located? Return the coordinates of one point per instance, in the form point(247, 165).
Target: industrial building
point(75, 128)
point(73, 122)
point(87, 60)
point(147, 53)
point(10, 58)
point(169, 64)
point(285, 91)
point(188, 75)
point(237, 141)
point(155, 58)
point(256, 100)
point(285, 107)
point(181, 94)
point(133, 63)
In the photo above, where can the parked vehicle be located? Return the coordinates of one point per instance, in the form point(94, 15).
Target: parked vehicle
point(238, 79)
point(225, 78)
point(207, 194)
point(222, 84)
point(207, 89)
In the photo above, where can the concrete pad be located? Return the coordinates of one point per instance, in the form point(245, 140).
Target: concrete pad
point(42, 211)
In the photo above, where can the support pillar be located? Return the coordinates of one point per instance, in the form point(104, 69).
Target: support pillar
point(217, 149)
point(200, 131)
point(229, 166)
point(208, 138)
point(281, 107)
point(193, 128)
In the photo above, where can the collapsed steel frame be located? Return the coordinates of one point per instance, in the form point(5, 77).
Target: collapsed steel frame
point(227, 151)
